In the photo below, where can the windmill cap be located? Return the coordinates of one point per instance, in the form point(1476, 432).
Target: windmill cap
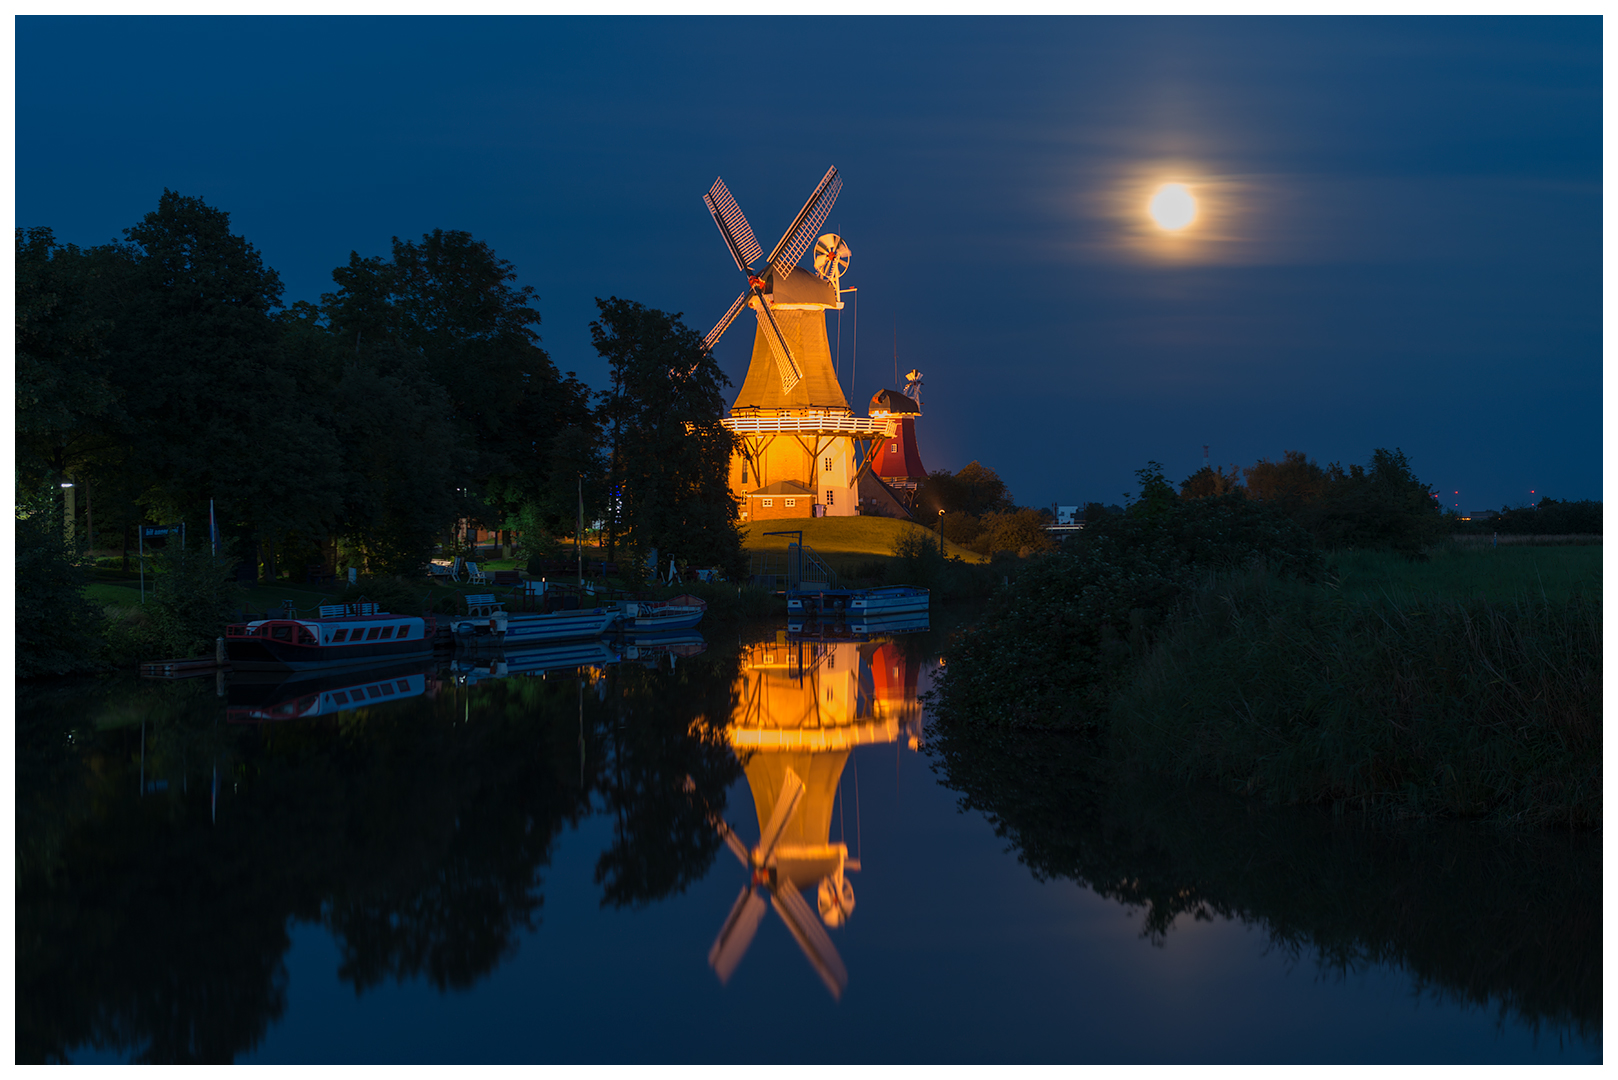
point(892, 401)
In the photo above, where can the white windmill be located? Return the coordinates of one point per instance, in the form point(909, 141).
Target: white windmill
point(779, 869)
point(782, 284)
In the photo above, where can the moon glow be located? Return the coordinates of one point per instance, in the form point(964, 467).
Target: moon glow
point(1173, 207)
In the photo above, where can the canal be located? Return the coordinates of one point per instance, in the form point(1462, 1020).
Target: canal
point(525, 859)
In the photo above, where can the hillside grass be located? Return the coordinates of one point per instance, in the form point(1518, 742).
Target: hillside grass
point(844, 536)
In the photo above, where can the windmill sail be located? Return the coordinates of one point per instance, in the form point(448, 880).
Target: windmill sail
point(737, 933)
point(722, 325)
point(790, 375)
point(733, 226)
point(789, 904)
point(796, 240)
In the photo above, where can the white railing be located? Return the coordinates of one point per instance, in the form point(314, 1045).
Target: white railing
point(809, 425)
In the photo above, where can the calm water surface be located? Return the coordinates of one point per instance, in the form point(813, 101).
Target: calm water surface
point(522, 864)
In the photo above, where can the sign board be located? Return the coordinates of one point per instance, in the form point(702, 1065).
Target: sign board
point(154, 532)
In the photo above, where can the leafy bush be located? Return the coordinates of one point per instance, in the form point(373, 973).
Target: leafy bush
point(395, 594)
point(1059, 638)
point(58, 630)
point(194, 595)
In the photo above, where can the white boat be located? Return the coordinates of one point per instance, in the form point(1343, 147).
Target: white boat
point(515, 630)
point(893, 600)
point(680, 613)
point(533, 660)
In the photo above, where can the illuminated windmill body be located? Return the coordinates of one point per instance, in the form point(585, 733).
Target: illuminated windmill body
point(803, 707)
point(799, 445)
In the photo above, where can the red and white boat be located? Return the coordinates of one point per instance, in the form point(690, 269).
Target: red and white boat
point(343, 635)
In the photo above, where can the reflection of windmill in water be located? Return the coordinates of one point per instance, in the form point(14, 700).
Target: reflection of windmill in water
point(803, 707)
point(801, 451)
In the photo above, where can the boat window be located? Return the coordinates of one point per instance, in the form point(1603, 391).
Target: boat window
point(374, 691)
point(404, 686)
point(404, 631)
point(339, 698)
point(375, 630)
point(339, 635)
point(387, 632)
point(306, 636)
point(281, 633)
point(387, 688)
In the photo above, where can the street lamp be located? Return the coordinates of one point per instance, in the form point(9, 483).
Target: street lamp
point(941, 532)
point(68, 510)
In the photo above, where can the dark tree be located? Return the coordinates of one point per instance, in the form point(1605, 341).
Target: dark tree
point(669, 457)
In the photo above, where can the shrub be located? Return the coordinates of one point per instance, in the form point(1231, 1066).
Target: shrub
point(194, 595)
point(1057, 640)
point(58, 630)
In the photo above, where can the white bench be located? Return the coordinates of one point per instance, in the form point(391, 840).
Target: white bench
point(482, 604)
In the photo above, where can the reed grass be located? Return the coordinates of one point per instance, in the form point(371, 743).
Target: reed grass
point(1406, 704)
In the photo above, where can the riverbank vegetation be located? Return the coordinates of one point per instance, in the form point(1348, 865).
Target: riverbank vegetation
point(1214, 638)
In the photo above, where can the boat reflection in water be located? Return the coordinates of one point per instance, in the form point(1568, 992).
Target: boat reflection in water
point(806, 700)
point(263, 697)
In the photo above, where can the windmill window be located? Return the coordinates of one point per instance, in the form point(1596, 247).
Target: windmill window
point(767, 502)
point(828, 464)
point(790, 502)
point(829, 496)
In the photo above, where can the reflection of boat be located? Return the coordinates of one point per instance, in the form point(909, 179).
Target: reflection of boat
point(253, 700)
point(653, 646)
point(680, 613)
point(804, 706)
point(849, 603)
point(851, 627)
point(535, 660)
point(345, 635)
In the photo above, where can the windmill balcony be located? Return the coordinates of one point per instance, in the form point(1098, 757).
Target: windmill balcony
point(809, 424)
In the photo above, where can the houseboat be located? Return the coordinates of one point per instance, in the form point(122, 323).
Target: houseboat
point(344, 635)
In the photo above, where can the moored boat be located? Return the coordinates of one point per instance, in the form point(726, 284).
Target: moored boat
point(520, 629)
point(259, 699)
point(892, 600)
point(680, 613)
point(345, 635)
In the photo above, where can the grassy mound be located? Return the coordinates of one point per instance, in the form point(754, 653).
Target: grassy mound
point(869, 536)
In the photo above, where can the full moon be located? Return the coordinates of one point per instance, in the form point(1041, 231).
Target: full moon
point(1173, 207)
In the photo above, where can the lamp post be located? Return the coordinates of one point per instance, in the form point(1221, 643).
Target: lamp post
point(68, 510)
point(941, 532)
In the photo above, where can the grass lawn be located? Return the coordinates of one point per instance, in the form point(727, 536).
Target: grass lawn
point(844, 536)
point(1455, 572)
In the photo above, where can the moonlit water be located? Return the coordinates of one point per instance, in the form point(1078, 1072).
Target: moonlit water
point(523, 869)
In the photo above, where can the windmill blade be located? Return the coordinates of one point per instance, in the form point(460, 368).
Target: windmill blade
point(737, 933)
point(733, 841)
point(786, 804)
point(812, 939)
point(802, 231)
point(733, 226)
point(790, 375)
point(722, 325)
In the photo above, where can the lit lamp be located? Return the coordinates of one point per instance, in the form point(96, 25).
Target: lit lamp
point(68, 509)
point(941, 532)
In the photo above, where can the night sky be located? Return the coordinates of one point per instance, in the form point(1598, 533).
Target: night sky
point(1398, 240)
